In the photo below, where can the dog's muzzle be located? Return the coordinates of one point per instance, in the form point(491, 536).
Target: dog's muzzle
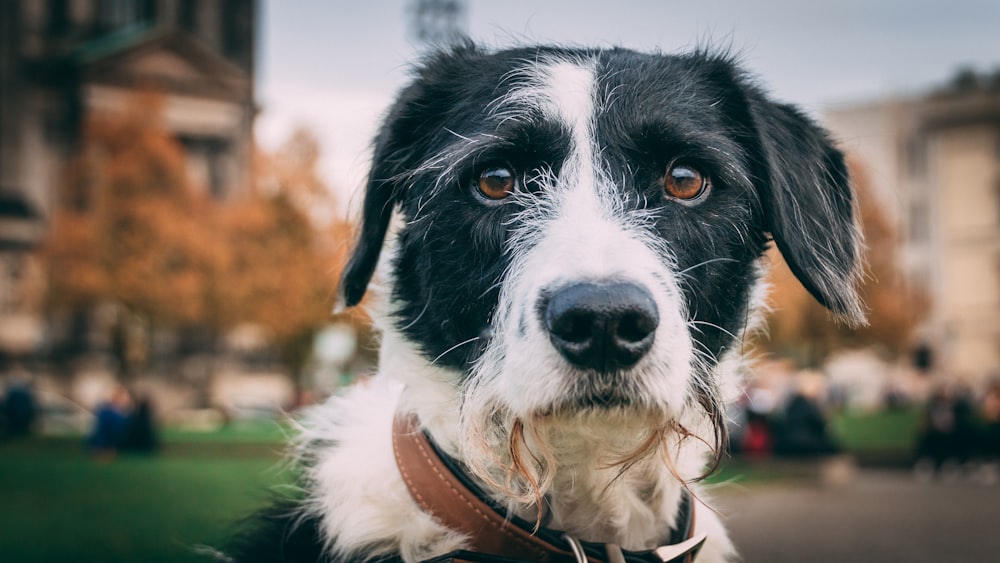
point(600, 326)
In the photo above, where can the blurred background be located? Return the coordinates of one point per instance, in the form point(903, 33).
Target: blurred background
point(177, 180)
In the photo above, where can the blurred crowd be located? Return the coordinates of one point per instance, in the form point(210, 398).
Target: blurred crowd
point(960, 431)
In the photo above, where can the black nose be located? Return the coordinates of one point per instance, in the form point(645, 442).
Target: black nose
point(604, 327)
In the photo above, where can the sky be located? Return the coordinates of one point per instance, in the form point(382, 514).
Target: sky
point(334, 66)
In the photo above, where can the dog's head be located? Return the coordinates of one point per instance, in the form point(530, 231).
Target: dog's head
point(582, 228)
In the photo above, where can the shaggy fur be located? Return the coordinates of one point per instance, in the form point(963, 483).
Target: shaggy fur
point(589, 136)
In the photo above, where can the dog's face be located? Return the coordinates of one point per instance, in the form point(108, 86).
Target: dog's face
point(582, 228)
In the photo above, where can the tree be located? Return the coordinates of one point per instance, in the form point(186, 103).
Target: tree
point(283, 262)
point(800, 328)
point(131, 229)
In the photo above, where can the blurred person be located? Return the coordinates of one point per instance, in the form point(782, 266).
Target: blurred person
point(989, 412)
point(110, 424)
point(965, 437)
point(936, 443)
point(894, 397)
point(19, 408)
point(837, 397)
point(140, 434)
point(757, 439)
point(803, 430)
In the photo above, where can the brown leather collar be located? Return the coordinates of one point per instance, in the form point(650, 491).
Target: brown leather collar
point(444, 493)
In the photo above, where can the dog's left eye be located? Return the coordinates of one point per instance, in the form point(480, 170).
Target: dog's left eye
point(496, 183)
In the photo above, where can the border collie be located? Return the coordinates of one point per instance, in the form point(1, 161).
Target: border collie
point(570, 245)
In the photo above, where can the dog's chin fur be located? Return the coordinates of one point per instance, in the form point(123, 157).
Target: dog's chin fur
point(605, 475)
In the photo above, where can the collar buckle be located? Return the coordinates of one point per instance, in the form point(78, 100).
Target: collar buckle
point(578, 553)
point(681, 552)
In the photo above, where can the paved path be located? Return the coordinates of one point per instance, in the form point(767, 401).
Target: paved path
point(879, 517)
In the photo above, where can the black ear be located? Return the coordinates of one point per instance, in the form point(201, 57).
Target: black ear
point(389, 159)
point(410, 122)
point(375, 215)
point(808, 204)
point(381, 195)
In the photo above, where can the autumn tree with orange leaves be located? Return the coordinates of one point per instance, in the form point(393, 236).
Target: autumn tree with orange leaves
point(285, 251)
point(802, 329)
point(131, 227)
point(133, 231)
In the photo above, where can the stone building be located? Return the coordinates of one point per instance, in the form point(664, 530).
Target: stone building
point(936, 159)
point(62, 59)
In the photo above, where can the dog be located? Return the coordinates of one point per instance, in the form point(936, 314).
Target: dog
point(571, 247)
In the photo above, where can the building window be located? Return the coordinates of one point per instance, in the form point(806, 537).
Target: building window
point(11, 273)
point(115, 14)
point(996, 153)
point(187, 19)
point(55, 129)
point(996, 202)
point(216, 171)
point(916, 156)
point(237, 29)
point(207, 160)
point(58, 18)
point(920, 222)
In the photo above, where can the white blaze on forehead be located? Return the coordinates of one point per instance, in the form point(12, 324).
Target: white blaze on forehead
point(567, 95)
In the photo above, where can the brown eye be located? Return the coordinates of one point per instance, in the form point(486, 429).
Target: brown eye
point(685, 183)
point(497, 183)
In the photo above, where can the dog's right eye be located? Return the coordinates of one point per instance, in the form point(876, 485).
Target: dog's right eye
point(496, 183)
point(686, 184)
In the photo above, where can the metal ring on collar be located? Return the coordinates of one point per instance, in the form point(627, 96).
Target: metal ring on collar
point(577, 547)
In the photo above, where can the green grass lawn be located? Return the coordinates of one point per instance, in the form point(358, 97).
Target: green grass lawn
point(894, 430)
point(242, 432)
point(59, 504)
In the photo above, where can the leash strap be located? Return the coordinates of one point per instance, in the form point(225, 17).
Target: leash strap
point(501, 538)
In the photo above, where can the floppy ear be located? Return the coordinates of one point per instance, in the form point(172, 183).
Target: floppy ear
point(808, 205)
point(413, 119)
point(375, 215)
point(381, 195)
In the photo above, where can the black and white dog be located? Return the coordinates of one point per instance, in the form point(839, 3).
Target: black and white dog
point(572, 248)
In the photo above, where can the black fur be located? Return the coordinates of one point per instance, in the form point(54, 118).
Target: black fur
point(283, 533)
point(280, 533)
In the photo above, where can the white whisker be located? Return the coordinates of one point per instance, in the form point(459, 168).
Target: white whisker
point(446, 352)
